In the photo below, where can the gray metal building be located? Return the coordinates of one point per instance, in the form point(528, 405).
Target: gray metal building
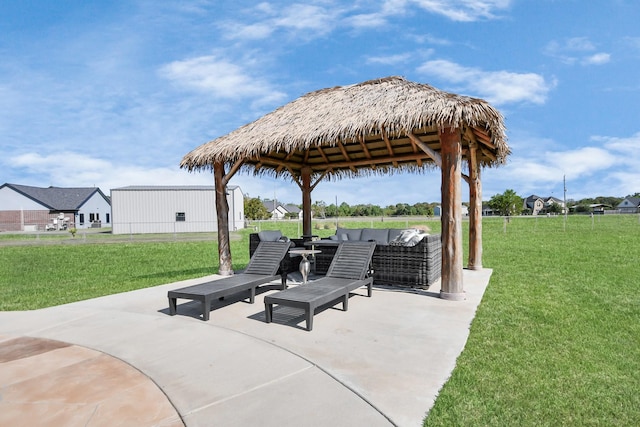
point(172, 209)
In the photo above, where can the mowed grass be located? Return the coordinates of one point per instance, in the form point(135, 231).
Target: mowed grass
point(556, 339)
point(37, 276)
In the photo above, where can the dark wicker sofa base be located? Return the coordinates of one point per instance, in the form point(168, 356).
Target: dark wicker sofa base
point(416, 266)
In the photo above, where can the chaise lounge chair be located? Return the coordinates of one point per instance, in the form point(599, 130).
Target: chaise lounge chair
point(262, 269)
point(347, 272)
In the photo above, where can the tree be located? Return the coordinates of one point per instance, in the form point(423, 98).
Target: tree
point(344, 209)
point(507, 203)
point(554, 208)
point(254, 209)
point(319, 209)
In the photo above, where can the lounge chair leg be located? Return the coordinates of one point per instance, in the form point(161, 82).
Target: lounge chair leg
point(206, 308)
point(309, 319)
point(172, 306)
point(268, 312)
point(252, 295)
point(345, 302)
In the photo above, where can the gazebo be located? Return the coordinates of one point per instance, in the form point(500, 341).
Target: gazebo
point(379, 126)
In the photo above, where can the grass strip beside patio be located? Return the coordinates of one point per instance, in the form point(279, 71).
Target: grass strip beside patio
point(556, 339)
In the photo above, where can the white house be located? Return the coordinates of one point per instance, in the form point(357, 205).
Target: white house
point(27, 208)
point(172, 209)
point(630, 205)
point(280, 211)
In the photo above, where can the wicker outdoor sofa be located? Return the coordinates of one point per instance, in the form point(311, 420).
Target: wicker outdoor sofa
point(416, 266)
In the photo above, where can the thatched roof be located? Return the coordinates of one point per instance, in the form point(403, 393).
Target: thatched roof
point(378, 126)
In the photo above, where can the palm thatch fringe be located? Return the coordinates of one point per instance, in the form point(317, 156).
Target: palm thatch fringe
point(391, 105)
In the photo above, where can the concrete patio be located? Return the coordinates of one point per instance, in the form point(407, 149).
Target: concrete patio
point(122, 360)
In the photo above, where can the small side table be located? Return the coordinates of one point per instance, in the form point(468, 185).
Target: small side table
point(305, 265)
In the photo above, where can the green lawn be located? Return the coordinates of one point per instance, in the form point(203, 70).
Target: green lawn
point(556, 339)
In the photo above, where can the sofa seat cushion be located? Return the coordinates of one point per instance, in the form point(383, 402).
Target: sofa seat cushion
point(350, 233)
point(380, 235)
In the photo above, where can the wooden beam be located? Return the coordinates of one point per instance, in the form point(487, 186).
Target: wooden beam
point(306, 201)
point(387, 142)
point(232, 171)
point(222, 212)
point(324, 156)
point(313, 186)
point(345, 154)
point(475, 210)
point(364, 147)
point(430, 152)
point(451, 150)
point(337, 165)
point(488, 153)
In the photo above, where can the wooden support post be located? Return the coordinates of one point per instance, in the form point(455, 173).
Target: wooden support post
point(451, 151)
point(475, 210)
point(306, 201)
point(222, 212)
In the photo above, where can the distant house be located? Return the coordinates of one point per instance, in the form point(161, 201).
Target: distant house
point(534, 204)
point(487, 210)
point(537, 205)
point(280, 211)
point(26, 208)
point(172, 209)
point(630, 205)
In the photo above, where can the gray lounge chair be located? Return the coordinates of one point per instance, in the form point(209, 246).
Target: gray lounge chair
point(262, 269)
point(348, 271)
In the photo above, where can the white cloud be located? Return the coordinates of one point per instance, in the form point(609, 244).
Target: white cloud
point(389, 60)
point(221, 77)
point(597, 59)
point(53, 169)
point(499, 87)
point(624, 148)
point(576, 50)
point(583, 161)
point(312, 20)
point(463, 10)
point(302, 20)
point(611, 168)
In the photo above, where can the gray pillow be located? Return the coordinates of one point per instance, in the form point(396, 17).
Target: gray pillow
point(269, 235)
point(352, 233)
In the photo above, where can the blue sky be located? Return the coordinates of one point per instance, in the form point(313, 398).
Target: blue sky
point(110, 94)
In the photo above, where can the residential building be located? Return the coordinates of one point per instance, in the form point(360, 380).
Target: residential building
point(630, 205)
point(537, 205)
point(172, 209)
point(27, 208)
point(281, 211)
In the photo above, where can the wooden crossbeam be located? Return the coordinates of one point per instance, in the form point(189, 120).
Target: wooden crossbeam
point(350, 164)
point(346, 155)
point(387, 142)
point(428, 150)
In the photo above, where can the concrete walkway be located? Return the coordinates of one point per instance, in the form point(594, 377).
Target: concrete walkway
point(379, 364)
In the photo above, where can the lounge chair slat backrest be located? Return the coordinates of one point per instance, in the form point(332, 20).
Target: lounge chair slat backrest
point(351, 260)
point(267, 257)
